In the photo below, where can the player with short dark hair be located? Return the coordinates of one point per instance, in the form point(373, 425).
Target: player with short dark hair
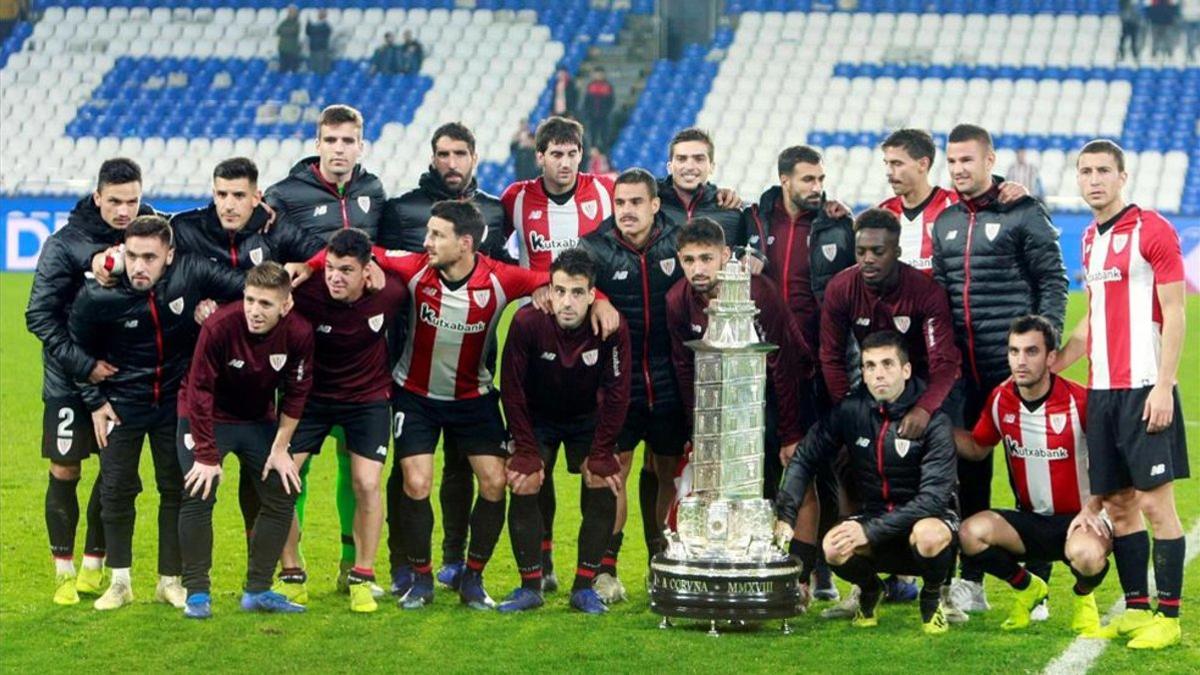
point(703, 254)
point(686, 192)
point(457, 297)
point(145, 327)
point(563, 385)
point(999, 260)
point(1040, 419)
point(451, 176)
point(95, 223)
point(1133, 337)
point(908, 156)
point(246, 353)
point(351, 389)
point(906, 523)
point(636, 265)
point(550, 213)
point(321, 196)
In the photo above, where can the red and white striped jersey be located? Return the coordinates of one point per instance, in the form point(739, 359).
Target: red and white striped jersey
point(1125, 263)
point(1045, 448)
point(916, 241)
point(545, 228)
point(449, 324)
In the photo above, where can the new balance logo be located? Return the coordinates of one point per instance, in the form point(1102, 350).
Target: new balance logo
point(237, 363)
point(381, 451)
point(1010, 418)
point(132, 323)
point(697, 329)
point(535, 214)
point(548, 356)
point(863, 321)
point(863, 442)
point(320, 210)
point(951, 235)
point(325, 328)
point(1158, 469)
point(620, 275)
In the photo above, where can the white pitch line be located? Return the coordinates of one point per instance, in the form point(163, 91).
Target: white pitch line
point(1082, 653)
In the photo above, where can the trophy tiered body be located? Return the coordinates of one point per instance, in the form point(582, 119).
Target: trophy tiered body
point(720, 562)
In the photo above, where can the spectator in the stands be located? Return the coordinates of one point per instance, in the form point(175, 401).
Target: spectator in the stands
point(598, 163)
point(412, 54)
point(289, 41)
point(1164, 27)
point(1026, 173)
point(320, 37)
point(598, 105)
point(524, 152)
point(387, 58)
point(566, 96)
point(1189, 12)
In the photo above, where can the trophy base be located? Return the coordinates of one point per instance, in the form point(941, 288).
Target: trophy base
point(724, 590)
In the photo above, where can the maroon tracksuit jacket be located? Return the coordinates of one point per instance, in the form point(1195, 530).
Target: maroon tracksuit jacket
point(917, 307)
point(550, 373)
point(787, 367)
point(235, 374)
point(351, 364)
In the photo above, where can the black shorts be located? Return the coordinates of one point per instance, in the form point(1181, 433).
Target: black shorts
point(1044, 537)
point(473, 425)
point(67, 434)
point(1120, 452)
point(574, 434)
point(250, 441)
point(665, 433)
point(367, 427)
point(895, 555)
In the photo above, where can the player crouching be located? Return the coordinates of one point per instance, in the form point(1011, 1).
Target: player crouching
point(1040, 417)
point(906, 525)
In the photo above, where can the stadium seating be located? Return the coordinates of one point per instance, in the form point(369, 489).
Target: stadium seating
point(181, 85)
point(1043, 77)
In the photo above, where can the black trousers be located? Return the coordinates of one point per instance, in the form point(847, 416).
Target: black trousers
point(121, 484)
point(251, 442)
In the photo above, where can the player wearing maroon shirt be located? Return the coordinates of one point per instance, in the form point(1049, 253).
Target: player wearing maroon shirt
point(563, 385)
point(445, 387)
point(550, 213)
point(351, 389)
point(1039, 417)
point(702, 254)
point(226, 404)
point(882, 293)
point(1133, 337)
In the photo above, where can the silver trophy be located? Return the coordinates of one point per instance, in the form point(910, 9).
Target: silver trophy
point(720, 563)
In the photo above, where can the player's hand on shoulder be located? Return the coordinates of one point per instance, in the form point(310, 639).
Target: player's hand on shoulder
point(299, 272)
point(605, 319)
point(914, 423)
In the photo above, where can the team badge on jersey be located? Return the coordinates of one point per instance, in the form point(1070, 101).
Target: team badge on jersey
point(375, 322)
point(189, 442)
point(277, 360)
point(589, 208)
point(63, 444)
point(668, 266)
point(902, 445)
point(830, 251)
point(482, 297)
point(176, 305)
point(1119, 241)
point(902, 323)
point(590, 356)
point(1058, 422)
point(256, 255)
point(364, 203)
point(991, 230)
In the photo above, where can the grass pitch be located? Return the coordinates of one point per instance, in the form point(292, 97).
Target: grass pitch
point(37, 636)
